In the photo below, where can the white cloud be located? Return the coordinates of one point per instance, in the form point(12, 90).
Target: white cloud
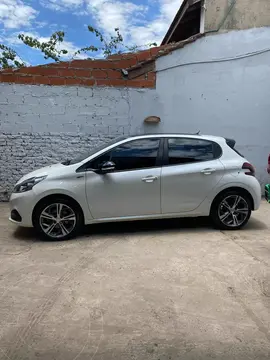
point(41, 24)
point(116, 15)
point(71, 48)
point(61, 5)
point(13, 39)
point(129, 17)
point(131, 20)
point(15, 13)
point(112, 14)
point(169, 8)
point(126, 15)
point(154, 31)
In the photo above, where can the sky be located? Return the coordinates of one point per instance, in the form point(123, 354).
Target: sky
point(140, 22)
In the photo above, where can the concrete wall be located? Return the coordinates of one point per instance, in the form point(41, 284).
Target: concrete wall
point(40, 125)
point(203, 86)
point(244, 14)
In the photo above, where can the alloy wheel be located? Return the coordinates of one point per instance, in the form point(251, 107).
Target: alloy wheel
point(57, 220)
point(233, 210)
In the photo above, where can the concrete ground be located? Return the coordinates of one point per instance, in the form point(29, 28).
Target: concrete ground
point(150, 290)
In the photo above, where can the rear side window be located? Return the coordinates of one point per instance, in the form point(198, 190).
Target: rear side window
point(186, 150)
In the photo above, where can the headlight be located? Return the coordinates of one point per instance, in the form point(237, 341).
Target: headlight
point(28, 184)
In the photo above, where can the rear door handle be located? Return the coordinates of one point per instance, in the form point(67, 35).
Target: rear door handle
point(149, 179)
point(208, 171)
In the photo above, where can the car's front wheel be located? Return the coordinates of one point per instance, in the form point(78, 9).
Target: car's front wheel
point(57, 218)
point(231, 210)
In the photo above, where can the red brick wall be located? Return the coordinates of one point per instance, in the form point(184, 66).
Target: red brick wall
point(84, 73)
point(140, 67)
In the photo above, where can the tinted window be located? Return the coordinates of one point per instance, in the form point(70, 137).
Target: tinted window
point(136, 154)
point(92, 152)
point(184, 150)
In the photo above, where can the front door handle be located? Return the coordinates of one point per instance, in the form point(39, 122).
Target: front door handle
point(208, 171)
point(149, 179)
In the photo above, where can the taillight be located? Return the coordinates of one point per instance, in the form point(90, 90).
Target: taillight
point(250, 170)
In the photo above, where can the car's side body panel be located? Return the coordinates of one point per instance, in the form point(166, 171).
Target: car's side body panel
point(177, 191)
point(184, 187)
point(120, 194)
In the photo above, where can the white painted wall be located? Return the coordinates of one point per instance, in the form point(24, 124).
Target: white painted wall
point(203, 86)
point(213, 85)
point(40, 125)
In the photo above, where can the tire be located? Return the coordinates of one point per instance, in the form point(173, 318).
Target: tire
point(58, 218)
point(226, 215)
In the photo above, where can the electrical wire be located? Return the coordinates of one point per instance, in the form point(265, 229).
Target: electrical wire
point(218, 60)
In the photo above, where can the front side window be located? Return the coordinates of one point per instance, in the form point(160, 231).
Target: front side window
point(186, 150)
point(91, 152)
point(135, 154)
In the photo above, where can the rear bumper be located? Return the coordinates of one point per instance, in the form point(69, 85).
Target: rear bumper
point(256, 193)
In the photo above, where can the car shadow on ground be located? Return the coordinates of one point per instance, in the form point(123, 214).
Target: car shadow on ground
point(155, 348)
point(168, 226)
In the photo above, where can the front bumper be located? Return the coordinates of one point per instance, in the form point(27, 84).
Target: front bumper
point(23, 204)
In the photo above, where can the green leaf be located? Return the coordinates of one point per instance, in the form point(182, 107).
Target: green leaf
point(114, 44)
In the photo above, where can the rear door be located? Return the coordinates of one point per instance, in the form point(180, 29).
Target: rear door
point(191, 170)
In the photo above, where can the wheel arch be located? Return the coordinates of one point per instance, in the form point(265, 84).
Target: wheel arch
point(235, 188)
point(53, 196)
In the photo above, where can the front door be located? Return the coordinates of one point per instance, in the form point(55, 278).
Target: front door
point(191, 170)
point(133, 189)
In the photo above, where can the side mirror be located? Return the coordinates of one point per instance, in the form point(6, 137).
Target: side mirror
point(107, 167)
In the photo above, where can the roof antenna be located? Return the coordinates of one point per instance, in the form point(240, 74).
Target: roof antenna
point(198, 133)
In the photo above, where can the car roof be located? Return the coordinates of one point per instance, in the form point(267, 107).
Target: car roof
point(186, 135)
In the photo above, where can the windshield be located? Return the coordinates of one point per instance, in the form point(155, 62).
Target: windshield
point(92, 151)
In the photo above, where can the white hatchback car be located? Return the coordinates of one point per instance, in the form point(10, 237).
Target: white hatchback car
point(138, 178)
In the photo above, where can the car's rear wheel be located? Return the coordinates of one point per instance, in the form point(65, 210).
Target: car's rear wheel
point(58, 219)
point(231, 210)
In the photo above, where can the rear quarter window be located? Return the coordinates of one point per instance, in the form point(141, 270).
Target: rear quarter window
point(231, 143)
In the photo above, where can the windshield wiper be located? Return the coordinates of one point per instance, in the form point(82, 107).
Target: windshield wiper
point(66, 162)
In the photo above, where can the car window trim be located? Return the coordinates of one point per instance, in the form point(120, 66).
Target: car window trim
point(165, 161)
point(158, 158)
